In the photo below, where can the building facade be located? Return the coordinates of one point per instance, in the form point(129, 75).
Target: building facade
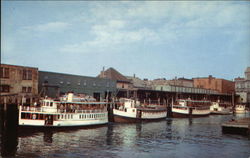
point(55, 84)
point(212, 83)
point(123, 85)
point(18, 80)
point(242, 87)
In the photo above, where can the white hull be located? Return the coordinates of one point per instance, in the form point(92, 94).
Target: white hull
point(68, 120)
point(193, 112)
point(144, 115)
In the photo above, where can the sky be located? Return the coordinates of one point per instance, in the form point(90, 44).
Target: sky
point(151, 39)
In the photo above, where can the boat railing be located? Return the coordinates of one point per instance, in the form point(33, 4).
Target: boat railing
point(81, 111)
point(39, 109)
point(31, 108)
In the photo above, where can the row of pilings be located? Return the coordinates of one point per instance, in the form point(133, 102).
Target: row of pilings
point(9, 123)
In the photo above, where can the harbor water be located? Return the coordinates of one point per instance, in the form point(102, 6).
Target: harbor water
point(173, 137)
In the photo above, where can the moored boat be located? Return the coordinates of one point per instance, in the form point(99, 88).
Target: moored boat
point(240, 109)
point(190, 108)
point(69, 111)
point(220, 108)
point(129, 110)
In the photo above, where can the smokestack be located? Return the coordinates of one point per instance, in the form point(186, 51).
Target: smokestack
point(103, 69)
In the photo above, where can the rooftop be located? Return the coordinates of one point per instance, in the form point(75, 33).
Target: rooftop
point(111, 73)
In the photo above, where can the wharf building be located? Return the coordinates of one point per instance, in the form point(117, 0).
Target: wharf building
point(160, 90)
point(18, 81)
point(242, 87)
point(123, 84)
point(55, 84)
point(220, 85)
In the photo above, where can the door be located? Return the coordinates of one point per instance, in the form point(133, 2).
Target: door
point(97, 96)
point(49, 120)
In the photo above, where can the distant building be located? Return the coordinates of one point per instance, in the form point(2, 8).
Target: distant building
point(184, 82)
point(52, 84)
point(242, 87)
point(138, 83)
point(217, 84)
point(122, 83)
point(19, 80)
point(183, 89)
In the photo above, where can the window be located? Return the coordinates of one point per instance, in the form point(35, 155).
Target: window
point(29, 89)
point(26, 89)
point(27, 75)
point(5, 88)
point(4, 72)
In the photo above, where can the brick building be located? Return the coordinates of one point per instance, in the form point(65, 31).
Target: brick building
point(18, 79)
point(217, 84)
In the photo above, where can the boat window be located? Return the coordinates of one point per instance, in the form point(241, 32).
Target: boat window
point(51, 103)
point(71, 116)
point(22, 115)
point(47, 103)
point(65, 116)
point(80, 116)
point(68, 116)
point(61, 116)
point(58, 116)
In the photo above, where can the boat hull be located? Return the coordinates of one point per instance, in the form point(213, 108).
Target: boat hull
point(220, 113)
point(189, 112)
point(124, 119)
point(61, 127)
point(184, 115)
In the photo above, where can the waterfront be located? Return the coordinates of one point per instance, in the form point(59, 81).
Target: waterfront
point(198, 137)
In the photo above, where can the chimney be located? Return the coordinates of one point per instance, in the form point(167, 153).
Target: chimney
point(102, 73)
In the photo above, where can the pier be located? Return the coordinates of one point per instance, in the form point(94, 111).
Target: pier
point(241, 126)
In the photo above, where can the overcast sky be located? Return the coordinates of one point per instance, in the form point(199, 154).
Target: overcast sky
point(150, 39)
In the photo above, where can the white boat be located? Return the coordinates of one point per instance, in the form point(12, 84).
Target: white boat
point(190, 108)
point(219, 108)
point(129, 110)
point(240, 109)
point(69, 111)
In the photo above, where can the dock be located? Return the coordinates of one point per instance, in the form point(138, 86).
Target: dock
point(241, 126)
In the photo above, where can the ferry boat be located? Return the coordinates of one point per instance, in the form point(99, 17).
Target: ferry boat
point(219, 108)
point(190, 108)
point(68, 111)
point(129, 110)
point(240, 109)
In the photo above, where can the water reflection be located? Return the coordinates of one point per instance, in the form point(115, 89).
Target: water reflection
point(170, 138)
point(48, 136)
